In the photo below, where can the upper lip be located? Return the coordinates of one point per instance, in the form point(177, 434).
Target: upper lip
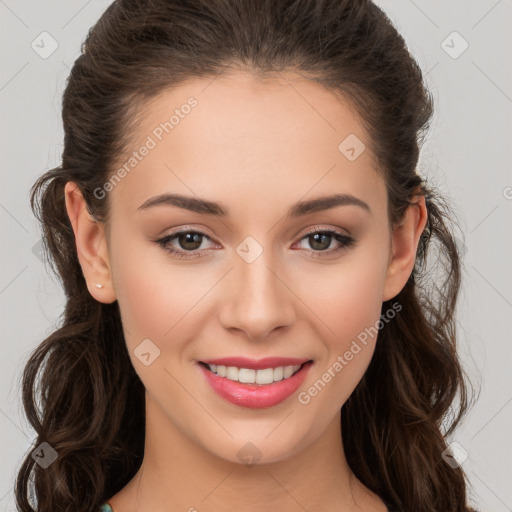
point(257, 364)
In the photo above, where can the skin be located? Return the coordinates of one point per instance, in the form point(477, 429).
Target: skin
point(257, 146)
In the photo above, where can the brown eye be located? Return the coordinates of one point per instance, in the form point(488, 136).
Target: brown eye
point(189, 243)
point(320, 241)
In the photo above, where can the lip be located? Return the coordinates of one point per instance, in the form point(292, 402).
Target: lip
point(257, 364)
point(256, 396)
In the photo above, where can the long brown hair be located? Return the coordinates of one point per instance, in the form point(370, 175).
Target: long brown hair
point(80, 391)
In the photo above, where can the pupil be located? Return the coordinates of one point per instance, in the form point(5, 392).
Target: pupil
point(190, 238)
point(315, 240)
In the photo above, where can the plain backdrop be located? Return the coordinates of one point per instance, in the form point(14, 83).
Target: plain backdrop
point(464, 48)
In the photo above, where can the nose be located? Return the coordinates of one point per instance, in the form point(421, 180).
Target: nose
point(257, 300)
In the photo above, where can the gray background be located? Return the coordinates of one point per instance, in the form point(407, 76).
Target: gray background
point(467, 156)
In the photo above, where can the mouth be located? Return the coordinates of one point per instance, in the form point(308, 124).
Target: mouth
point(261, 377)
point(265, 386)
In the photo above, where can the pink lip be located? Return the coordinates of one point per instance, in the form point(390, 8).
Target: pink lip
point(256, 364)
point(256, 396)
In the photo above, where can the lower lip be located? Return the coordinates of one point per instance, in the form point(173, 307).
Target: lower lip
point(255, 396)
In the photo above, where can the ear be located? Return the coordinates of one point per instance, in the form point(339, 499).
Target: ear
point(404, 244)
point(91, 245)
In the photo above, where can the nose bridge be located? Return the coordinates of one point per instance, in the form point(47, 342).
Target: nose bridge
point(259, 300)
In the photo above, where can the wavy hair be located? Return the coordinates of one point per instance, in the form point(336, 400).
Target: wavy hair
point(80, 392)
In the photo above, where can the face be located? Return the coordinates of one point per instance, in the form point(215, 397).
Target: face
point(254, 276)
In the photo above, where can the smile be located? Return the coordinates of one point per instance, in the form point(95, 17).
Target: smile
point(261, 387)
point(250, 376)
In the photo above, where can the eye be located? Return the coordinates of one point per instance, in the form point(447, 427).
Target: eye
point(190, 242)
point(320, 240)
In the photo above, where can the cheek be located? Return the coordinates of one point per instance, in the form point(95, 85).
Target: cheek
point(159, 299)
point(346, 298)
point(152, 295)
point(348, 302)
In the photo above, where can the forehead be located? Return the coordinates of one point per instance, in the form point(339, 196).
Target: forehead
point(274, 137)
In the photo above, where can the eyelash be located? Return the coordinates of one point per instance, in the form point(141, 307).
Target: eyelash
point(345, 240)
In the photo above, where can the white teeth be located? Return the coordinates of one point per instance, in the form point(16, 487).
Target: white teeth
point(288, 370)
point(232, 373)
point(249, 376)
point(265, 376)
point(246, 375)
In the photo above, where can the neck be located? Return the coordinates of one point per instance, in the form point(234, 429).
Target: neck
point(179, 474)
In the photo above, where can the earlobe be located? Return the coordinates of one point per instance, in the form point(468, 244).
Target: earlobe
point(404, 245)
point(91, 246)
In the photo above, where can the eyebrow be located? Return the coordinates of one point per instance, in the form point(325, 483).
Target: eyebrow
point(298, 209)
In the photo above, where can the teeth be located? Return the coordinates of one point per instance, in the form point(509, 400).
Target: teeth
point(288, 370)
point(248, 376)
point(231, 373)
point(278, 373)
point(265, 376)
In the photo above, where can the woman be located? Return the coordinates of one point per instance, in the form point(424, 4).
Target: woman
point(242, 237)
